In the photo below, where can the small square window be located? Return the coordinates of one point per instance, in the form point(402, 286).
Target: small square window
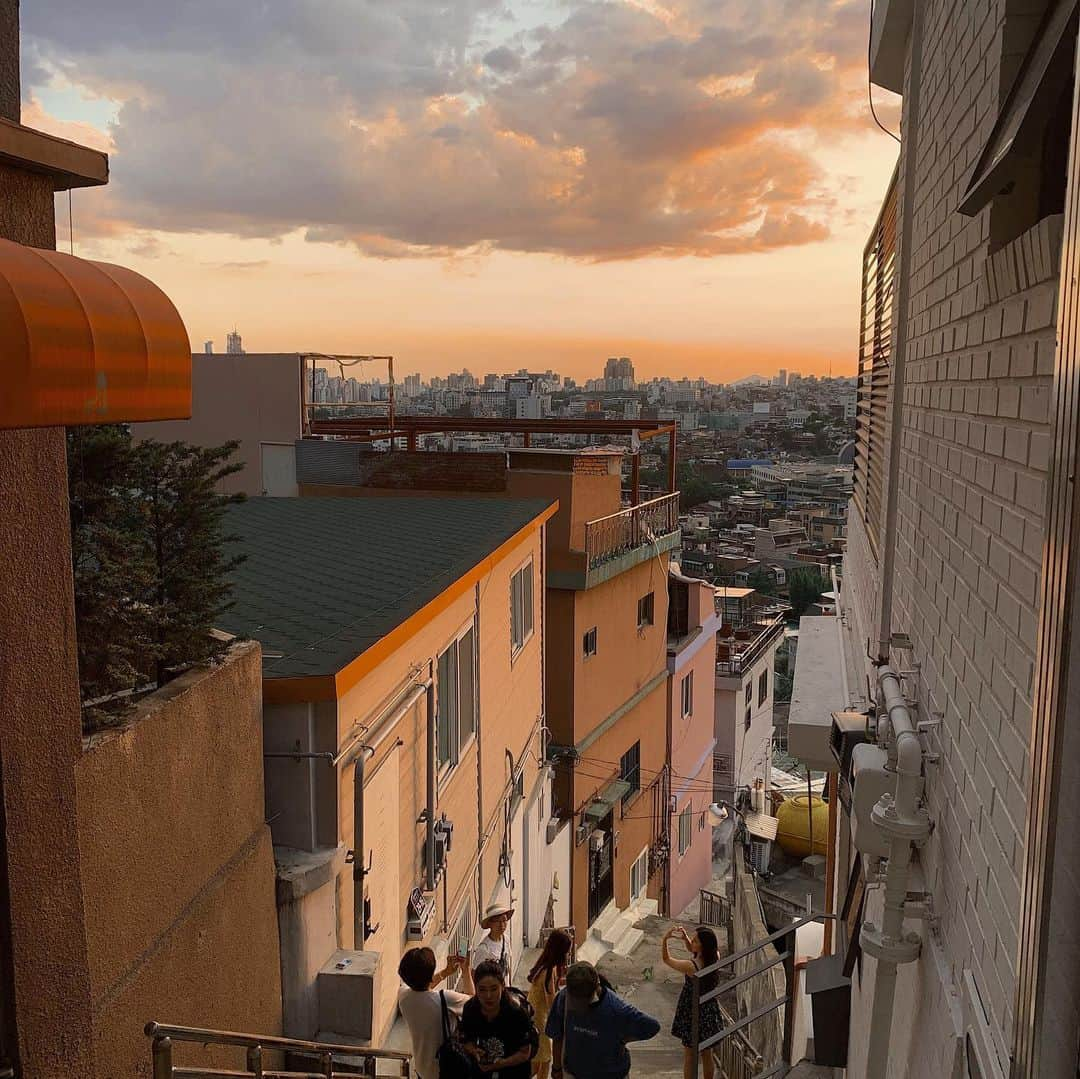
point(646, 610)
point(588, 643)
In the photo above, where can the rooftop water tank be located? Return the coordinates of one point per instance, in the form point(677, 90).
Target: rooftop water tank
point(795, 816)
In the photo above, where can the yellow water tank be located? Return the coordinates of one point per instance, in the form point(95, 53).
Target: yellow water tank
point(794, 821)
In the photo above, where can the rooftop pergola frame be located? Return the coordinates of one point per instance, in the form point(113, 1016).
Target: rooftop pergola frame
point(388, 427)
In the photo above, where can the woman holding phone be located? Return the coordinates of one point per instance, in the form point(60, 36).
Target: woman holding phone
point(704, 952)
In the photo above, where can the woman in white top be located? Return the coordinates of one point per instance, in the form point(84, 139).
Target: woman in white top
point(421, 1007)
point(496, 947)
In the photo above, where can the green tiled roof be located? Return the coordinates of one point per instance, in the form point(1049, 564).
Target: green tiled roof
point(325, 578)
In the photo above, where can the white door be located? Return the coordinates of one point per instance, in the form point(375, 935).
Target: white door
point(278, 469)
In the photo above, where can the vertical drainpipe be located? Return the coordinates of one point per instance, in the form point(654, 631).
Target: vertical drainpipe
point(359, 863)
point(431, 766)
point(910, 151)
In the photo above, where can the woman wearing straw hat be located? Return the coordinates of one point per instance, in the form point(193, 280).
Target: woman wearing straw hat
point(496, 944)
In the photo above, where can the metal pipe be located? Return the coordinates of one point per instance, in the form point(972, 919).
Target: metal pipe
point(910, 151)
point(904, 822)
point(429, 844)
point(672, 475)
point(365, 751)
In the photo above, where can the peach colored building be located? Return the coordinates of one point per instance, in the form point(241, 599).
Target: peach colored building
point(406, 778)
point(691, 658)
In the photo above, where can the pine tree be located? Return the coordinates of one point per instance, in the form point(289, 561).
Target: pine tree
point(180, 531)
point(149, 561)
point(114, 627)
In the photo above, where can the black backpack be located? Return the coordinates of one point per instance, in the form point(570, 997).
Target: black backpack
point(452, 1060)
point(521, 999)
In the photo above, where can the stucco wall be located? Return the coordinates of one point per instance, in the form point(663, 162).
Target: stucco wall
point(471, 794)
point(268, 384)
point(748, 927)
point(178, 867)
point(692, 741)
point(9, 59)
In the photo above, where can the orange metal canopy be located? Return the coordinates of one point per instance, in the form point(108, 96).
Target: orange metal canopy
point(86, 342)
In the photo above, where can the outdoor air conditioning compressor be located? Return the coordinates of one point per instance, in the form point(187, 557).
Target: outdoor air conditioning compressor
point(596, 840)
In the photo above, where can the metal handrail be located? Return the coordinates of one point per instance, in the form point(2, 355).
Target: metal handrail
point(163, 1035)
point(626, 530)
point(739, 663)
point(787, 957)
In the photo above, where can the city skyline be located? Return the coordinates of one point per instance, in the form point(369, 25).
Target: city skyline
point(548, 182)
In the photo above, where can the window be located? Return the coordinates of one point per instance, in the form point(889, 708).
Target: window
point(639, 875)
point(521, 607)
point(749, 692)
point(688, 694)
point(748, 718)
point(763, 687)
point(645, 610)
point(686, 828)
point(875, 353)
point(588, 643)
point(630, 771)
point(456, 698)
point(461, 939)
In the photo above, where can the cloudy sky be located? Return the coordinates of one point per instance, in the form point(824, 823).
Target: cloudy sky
point(496, 183)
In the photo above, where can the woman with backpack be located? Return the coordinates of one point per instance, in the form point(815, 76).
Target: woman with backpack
point(497, 1028)
point(704, 952)
point(545, 978)
point(431, 1015)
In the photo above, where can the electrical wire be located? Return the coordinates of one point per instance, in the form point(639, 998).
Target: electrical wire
point(870, 81)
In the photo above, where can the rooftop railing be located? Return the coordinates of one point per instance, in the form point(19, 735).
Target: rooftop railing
point(738, 654)
point(608, 537)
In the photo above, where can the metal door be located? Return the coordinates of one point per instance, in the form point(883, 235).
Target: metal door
point(601, 874)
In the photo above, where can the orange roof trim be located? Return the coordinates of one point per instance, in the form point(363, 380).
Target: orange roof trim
point(87, 342)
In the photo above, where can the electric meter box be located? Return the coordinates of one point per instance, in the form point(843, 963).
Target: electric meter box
point(869, 781)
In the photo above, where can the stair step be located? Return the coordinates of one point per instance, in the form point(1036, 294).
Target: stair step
point(628, 941)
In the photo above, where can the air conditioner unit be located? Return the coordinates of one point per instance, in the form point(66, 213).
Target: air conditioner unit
point(553, 826)
point(596, 840)
point(848, 731)
point(760, 855)
point(980, 1056)
point(581, 833)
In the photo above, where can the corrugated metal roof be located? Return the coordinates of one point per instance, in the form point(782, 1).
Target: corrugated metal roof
point(325, 578)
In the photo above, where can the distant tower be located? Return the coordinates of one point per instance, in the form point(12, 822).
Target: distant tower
point(208, 348)
point(232, 344)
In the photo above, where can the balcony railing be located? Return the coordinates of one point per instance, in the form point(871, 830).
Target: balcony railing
point(748, 646)
point(608, 537)
point(323, 1055)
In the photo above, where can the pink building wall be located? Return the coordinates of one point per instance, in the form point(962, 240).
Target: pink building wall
point(691, 740)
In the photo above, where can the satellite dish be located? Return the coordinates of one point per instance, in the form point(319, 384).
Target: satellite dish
point(718, 814)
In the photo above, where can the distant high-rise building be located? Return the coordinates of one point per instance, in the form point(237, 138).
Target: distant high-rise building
point(619, 373)
point(208, 348)
point(781, 378)
point(233, 345)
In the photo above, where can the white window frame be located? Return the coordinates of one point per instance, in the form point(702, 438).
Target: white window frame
point(522, 612)
point(646, 615)
point(640, 866)
point(457, 746)
point(686, 818)
point(687, 692)
point(585, 653)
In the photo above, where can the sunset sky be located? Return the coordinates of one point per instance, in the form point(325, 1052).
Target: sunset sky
point(488, 183)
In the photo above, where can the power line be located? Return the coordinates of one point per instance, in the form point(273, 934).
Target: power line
point(870, 81)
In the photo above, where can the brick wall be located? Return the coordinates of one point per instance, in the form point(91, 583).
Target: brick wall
point(972, 493)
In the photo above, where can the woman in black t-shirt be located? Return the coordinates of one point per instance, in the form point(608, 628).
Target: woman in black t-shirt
point(497, 1033)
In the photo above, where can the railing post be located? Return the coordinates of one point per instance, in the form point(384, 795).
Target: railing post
point(162, 1058)
point(789, 1011)
point(254, 1061)
point(695, 1023)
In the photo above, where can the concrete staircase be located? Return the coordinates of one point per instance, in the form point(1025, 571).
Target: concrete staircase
point(614, 931)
